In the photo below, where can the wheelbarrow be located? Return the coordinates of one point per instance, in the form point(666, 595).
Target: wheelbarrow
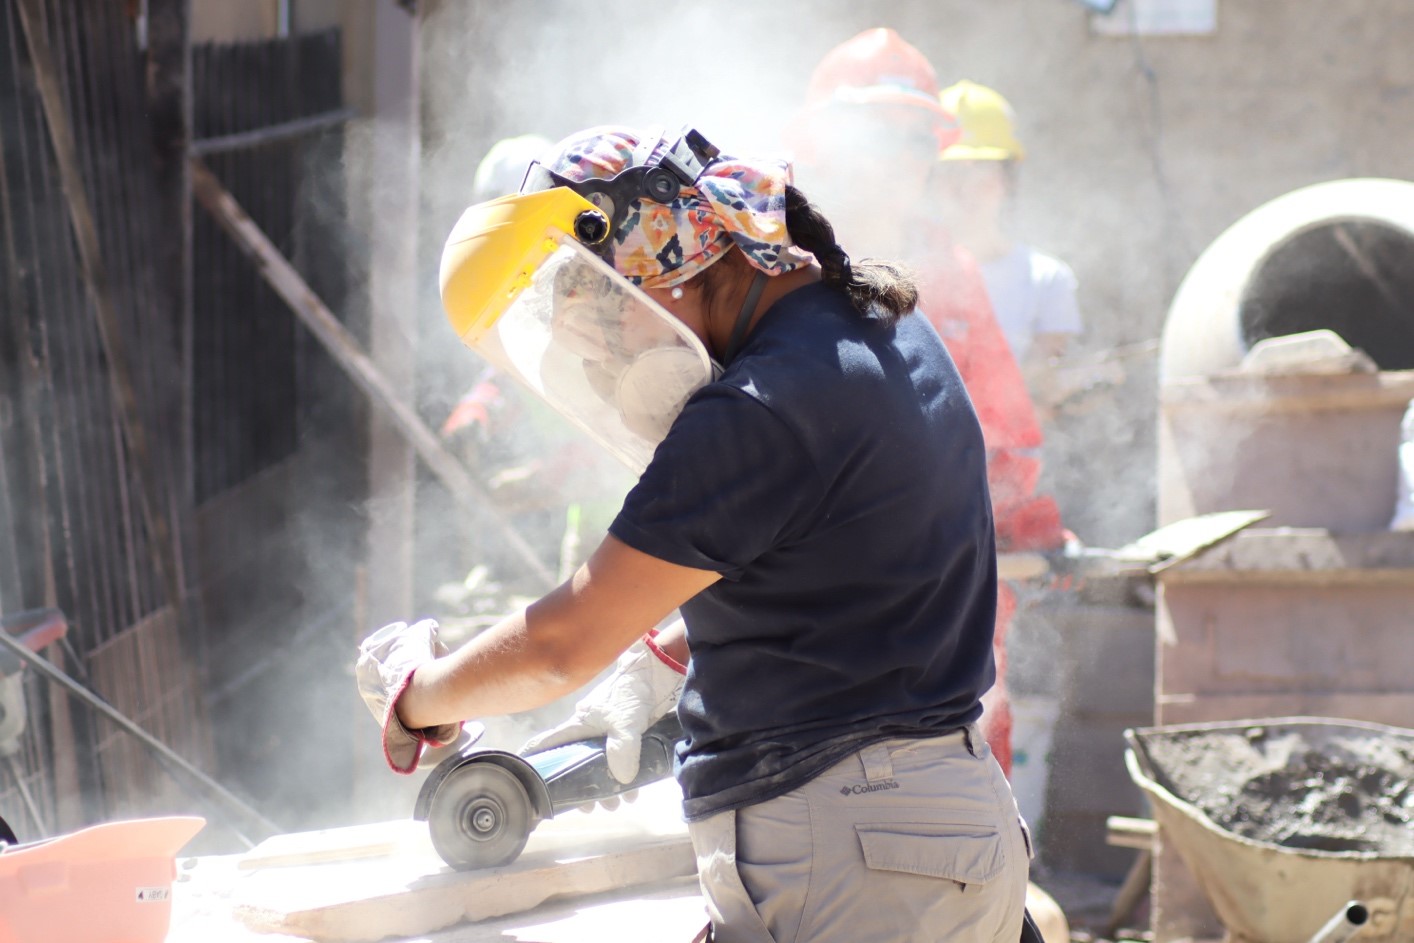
point(1285, 822)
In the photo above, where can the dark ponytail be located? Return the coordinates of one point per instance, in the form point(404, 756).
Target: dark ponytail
point(873, 285)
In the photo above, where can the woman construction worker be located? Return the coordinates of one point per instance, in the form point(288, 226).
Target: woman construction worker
point(813, 498)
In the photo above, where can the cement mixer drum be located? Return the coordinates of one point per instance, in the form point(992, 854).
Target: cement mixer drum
point(1336, 256)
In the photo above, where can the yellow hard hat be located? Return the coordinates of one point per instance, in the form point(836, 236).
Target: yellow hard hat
point(987, 121)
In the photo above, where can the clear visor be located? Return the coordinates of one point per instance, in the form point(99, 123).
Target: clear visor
point(600, 352)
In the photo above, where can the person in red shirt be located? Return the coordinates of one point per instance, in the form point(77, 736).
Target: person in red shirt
point(867, 143)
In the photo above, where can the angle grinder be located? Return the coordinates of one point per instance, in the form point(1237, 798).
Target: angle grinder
point(481, 805)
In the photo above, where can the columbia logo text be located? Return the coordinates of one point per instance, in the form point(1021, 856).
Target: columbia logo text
point(862, 788)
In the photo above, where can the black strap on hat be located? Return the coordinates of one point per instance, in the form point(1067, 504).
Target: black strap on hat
point(659, 180)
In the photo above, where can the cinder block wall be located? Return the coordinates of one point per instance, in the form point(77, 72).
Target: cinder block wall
point(1103, 668)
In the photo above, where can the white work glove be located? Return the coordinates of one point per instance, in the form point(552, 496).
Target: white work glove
point(645, 685)
point(386, 661)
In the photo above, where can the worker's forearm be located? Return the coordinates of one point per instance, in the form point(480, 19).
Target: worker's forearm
point(554, 646)
point(558, 643)
point(498, 672)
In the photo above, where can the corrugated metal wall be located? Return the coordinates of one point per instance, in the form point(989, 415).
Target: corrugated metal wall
point(78, 537)
point(222, 395)
point(247, 351)
point(279, 430)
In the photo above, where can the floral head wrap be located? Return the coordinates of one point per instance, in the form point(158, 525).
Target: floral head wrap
point(736, 201)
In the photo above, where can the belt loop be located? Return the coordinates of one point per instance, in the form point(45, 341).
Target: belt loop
point(968, 733)
point(878, 765)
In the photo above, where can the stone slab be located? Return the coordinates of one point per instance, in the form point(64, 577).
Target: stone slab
point(384, 881)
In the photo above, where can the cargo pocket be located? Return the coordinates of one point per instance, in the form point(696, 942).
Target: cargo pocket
point(967, 854)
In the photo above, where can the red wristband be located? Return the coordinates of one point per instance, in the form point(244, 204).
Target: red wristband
point(663, 656)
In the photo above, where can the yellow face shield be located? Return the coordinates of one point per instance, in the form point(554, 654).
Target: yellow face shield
point(523, 288)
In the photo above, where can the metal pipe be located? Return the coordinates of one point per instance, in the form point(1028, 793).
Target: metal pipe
point(269, 134)
point(163, 752)
point(1345, 925)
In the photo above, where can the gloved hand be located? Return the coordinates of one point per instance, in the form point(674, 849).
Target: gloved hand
point(386, 661)
point(645, 685)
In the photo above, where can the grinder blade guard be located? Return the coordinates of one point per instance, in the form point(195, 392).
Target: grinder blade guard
point(481, 805)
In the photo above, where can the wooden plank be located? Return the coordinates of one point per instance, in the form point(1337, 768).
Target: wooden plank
point(1135, 887)
point(349, 354)
point(1123, 831)
point(169, 106)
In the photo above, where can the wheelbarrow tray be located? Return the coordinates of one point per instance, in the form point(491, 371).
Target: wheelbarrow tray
point(1264, 891)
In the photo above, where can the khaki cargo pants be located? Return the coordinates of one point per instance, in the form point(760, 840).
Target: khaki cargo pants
point(906, 840)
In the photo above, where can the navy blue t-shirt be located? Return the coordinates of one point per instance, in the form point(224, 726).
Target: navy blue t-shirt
point(835, 477)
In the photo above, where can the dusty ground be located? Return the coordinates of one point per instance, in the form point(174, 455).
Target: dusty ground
point(1326, 789)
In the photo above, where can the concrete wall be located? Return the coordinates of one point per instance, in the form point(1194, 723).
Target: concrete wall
point(1104, 671)
point(1142, 153)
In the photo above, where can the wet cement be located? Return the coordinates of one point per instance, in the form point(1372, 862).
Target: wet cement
point(1308, 787)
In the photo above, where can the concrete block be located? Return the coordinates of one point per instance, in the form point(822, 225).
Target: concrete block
point(1106, 679)
point(1075, 841)
point(1309, 427)
point(1088, 774)
point(1108, 662)
point(1180, 909)
point(1247, 638)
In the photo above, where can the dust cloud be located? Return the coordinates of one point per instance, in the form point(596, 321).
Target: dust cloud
point(737, 72)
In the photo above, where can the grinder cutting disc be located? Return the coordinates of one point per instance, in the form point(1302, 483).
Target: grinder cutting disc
point(480, 817)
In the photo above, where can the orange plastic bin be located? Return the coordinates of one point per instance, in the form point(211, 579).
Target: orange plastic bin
point(111, 883)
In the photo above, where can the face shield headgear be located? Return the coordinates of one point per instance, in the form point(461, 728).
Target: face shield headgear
point(546, 284)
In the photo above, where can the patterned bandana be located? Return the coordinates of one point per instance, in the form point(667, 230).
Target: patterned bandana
point(736, 202)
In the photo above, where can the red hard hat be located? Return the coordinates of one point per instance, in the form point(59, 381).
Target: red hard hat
point(879, 69)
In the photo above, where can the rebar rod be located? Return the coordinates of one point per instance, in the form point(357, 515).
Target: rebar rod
point(158, 748)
